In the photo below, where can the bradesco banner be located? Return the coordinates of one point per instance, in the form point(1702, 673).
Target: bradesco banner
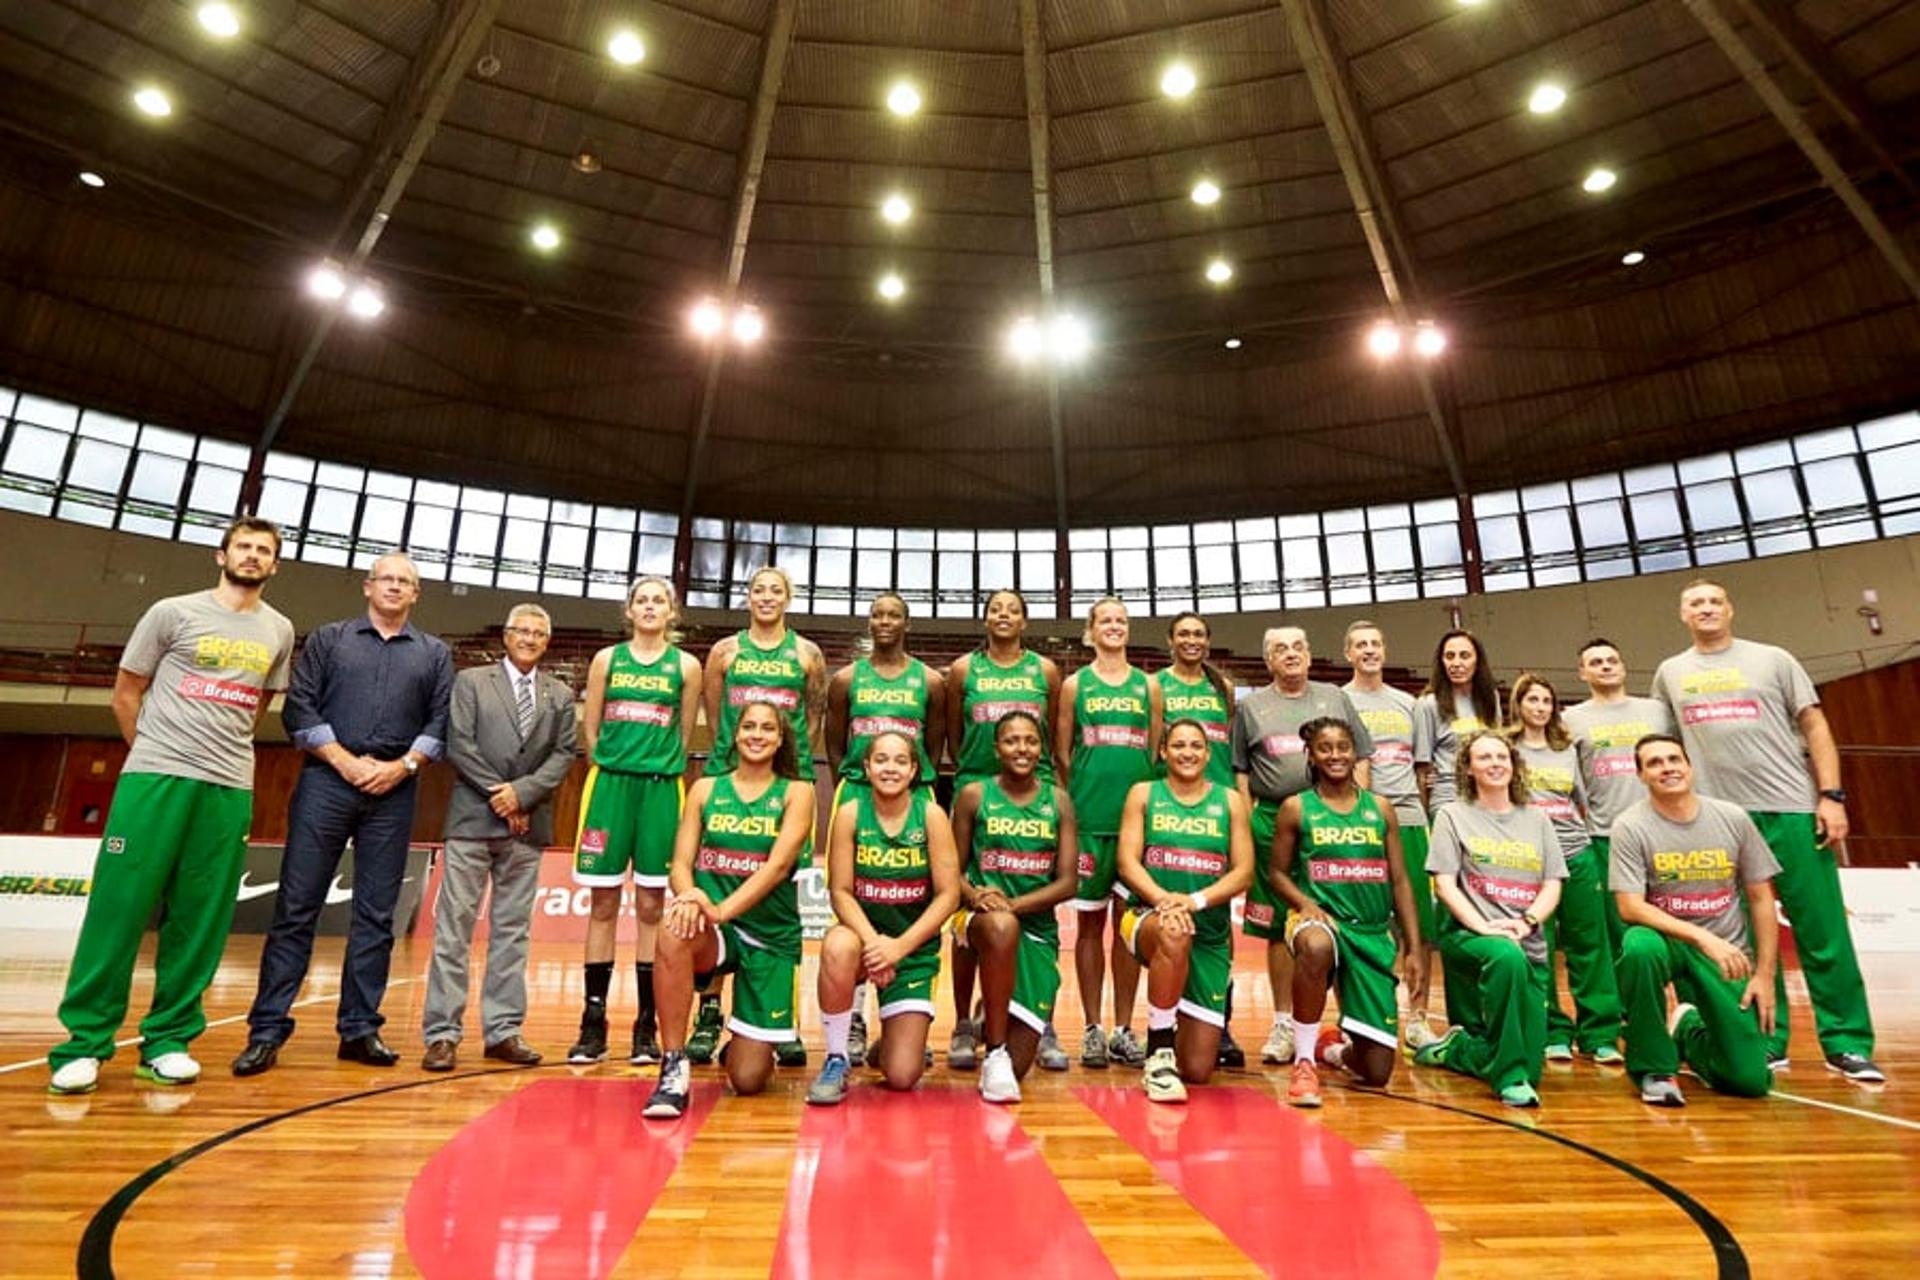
point(561, 907)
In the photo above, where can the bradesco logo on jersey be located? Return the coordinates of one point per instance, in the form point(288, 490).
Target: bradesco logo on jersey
point(1204, 862)
point(874, 726)
point(1700, 905)
point(1347, 870)
point(1019, 862)
point(1283, 744)
point(742, 695)
point(225, 692)
point(892, 893)
point(1113, 735)
point(738, 863)
point(1721, 711)
point(633, 711)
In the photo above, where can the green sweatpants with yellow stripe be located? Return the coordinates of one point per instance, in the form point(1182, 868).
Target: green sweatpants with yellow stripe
point(1722, 1042)
point(173, 844)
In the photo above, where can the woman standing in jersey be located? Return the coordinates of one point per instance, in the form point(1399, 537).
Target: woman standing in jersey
point(1002, 675)
point(1556, 788)
point(1496, 869)
point(894, 878)
point(1186, 851)
point(642, 699)
point(1110, 718)
point(1338, 866)
point(1459, 699)
point(1015, 836)
point(768, 662)
point(735, 909)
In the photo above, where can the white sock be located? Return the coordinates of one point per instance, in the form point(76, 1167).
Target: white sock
point(1159, 1019)
point(838, 1027)
point(1306, 1038)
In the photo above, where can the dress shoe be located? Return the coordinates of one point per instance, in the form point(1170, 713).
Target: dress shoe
point(440, 1056)
point(368, 1050)
point(515, 1050)
point(258, 1056)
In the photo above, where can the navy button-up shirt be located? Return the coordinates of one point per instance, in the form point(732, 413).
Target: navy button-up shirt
point(374, 696)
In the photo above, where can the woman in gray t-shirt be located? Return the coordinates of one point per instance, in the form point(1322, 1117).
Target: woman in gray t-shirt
point(1496, 867)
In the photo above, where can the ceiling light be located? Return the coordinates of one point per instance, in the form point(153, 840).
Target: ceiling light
point(1599, 180)
point(1546, 99)
point(748, 327)
point(626, 48)
point(1232, 344)
point(1383, 340)
point(586, 162)
point(326, 283)
point(153, 101)
point(895, 209)
point(892, 287)
point(545, 237)
point(706, 318)
point(1069, 337)
point(1178, 80)
point(1470, 4)
point(1429, 340)
point(366, 302)
point(1205, 192)
point(1023, 340)
point(1632, 258)
point(1219, 271)
point(92, 179)
point(221, 21)
point(903, 99)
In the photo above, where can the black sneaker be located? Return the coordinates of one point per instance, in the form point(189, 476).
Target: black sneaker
point(705, 1040)
point(669, 1100)
point(646, 1042)
point(790, 1054)
point(592, 1045)
point(1231, 1055)
point(1857, 1067)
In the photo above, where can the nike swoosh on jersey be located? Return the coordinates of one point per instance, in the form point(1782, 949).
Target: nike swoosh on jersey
point(248, 891)
point(776, 1013)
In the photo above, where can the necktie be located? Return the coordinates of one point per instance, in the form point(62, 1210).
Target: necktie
point(525, 706)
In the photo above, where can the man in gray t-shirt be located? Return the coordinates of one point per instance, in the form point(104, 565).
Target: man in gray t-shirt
point(1604, 729)
point(194, 681)
point(1689, 872)
point(1751, 722)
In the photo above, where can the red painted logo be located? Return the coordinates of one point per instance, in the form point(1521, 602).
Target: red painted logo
point(225, 692)
point(1722, 711)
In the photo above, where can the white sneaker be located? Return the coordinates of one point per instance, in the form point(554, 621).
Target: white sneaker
point(82, 1075)
point(1279, 1046)
point(997, 1081)
point(169, 1068)
point(1161, 1079)
point(1420, 1033)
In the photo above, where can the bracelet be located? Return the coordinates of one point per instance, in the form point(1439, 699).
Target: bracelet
point(1200, 901)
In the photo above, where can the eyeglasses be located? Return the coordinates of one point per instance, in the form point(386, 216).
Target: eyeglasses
point(393, 580)
point(527, 633)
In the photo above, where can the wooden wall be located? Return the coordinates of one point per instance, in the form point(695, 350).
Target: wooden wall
point(1876, 720)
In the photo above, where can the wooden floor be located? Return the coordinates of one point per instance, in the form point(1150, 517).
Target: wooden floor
point(397, 1172)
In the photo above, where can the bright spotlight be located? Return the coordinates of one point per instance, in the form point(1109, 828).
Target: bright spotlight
point(1383, 340)
point(1599, 180)
point(326, 283)
point(1205, 192)
point(626, 48)
point(89, 178)
point(1178, 80)
point(895, 209)
point(544, 236)
point(1546, 99)
point(221, 21)
point(903, 99)
point(1429, 340)
point(153, 101)
point(1069, 338)
point(706, 318)
point(1632, 258)
point(748, 327)
point(892, 287)
point(366, 302)
point(1232, 344)
point(1219, 271)
point(1023, 340)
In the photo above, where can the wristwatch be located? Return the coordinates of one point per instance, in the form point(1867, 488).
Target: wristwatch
point(413, 766)
point(1530, 921)
point(1834, 794)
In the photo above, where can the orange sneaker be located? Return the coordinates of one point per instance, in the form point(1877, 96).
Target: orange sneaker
point(1304, 1089)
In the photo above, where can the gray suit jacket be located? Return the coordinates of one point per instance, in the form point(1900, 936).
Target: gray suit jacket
point(485, 749)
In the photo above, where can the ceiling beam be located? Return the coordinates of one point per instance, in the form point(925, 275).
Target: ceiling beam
point(402, 141)
point(1033, 47)
point(1373, 204)
point(753, 159)
point(1762, 82)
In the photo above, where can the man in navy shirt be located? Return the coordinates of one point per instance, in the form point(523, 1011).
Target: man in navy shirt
point(368, 704)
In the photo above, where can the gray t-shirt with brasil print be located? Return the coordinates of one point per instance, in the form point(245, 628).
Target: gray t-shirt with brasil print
point(1604, 734)
point(209, 666)
point(1738, 711)
point(1401, 740)
point(1266, 736)
point(1694, 871)
point(1501, 860)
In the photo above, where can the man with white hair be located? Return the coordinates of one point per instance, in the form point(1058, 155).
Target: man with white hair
point(511, 738)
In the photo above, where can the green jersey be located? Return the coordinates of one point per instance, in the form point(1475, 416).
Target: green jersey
point(640, 718)
point(878, 704)
point(1201, 701)
point(736, 835)
point(991, 691)
point(1342, 862)
point(774, 676)
point(1014, 846)
point(1187, 847)
point(893, 874)
point(1110, 747)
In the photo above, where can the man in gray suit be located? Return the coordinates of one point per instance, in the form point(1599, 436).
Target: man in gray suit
point(511, 738)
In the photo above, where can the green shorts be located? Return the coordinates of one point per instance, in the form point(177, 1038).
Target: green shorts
point(911, 990)
point(1413, 851)
point(1265, 913)
point(1209, 970)
point(627, 820)
point(1099, 859)
point(765, 986)
point(1036, 973)
point(1363, 979)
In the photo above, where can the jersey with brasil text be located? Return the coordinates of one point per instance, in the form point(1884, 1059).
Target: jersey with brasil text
point(1266, 736)
point(1342, 863)
point(1014, 847)
point(1501, 860)
point(774, 676)
point(1694, 871)
point(640, 718)
point(878, 704)
point(736, 835)
point(991, 691)
point(1605, 733)
point(1110, 747)
point(1186, 847)
point(1199, 700)
point(892, 874)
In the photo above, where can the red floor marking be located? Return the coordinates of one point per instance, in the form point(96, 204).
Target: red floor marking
point(553, 1181)
point(1295, 1197)
point(936, 1183)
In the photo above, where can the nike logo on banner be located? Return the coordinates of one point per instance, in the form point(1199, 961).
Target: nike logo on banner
point(248, 891)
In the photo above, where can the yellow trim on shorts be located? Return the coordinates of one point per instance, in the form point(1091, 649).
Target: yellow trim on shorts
point(586, 807)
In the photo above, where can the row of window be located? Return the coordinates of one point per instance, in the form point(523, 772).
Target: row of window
point(1845, 484)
